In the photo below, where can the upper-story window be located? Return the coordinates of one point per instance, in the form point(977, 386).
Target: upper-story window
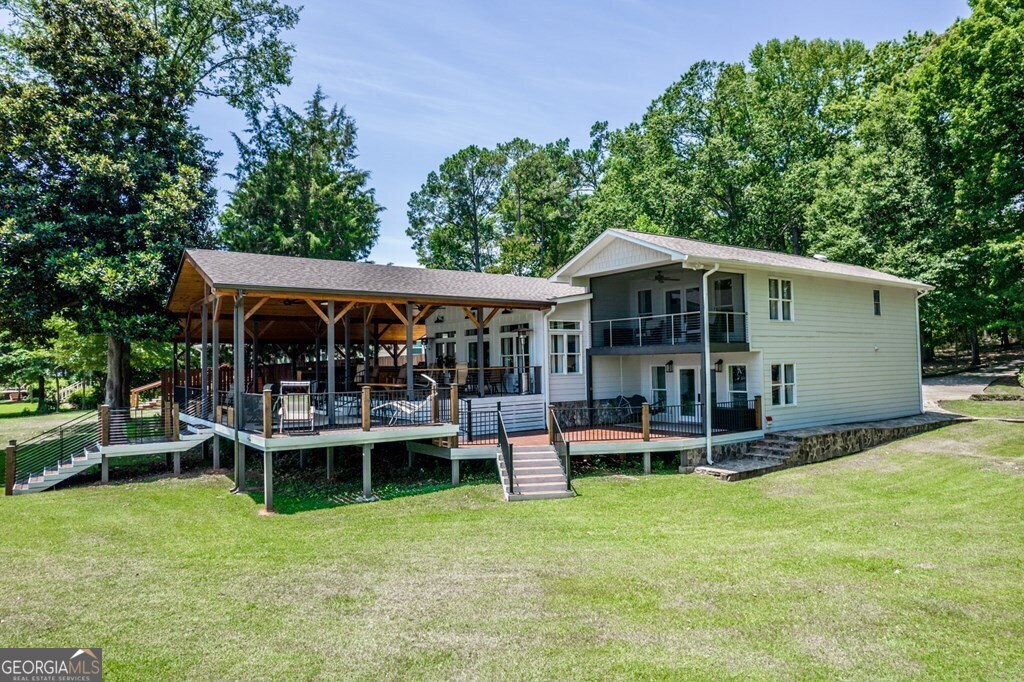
point(644, 303)
point(780, 299)
point(566, 343)
point(878, 301)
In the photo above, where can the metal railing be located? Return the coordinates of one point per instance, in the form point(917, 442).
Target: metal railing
point(561, 446)
point(130, 425)
point(735, 416)
point(55, 447)
point(621, 421)
point(506, 451)
point(609, 422)
point(673, 329)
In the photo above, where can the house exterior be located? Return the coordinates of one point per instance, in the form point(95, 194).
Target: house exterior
point(640, 343)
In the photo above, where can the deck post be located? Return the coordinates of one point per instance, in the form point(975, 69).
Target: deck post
point(364, 410)
point(645, 420)
point(348, 354)
point(177, 464)
point(215, 361)
point(175, 422)
point(188, 358)
point(480, 362)
point(758, 420)
point(366, 343)
point(104, 469)
point(456, 479)
point(435, 408)
point(268, 480)
point(204, 361)
point(104, 425)
point(238, 360)
point(268, 413)
point(410, 379)
point(330, 463)
point(647, 464)
point(10, 465)
point(216, 451)
point(367, 481)
point(332, 358)
point(453, 403)
point(551, 425)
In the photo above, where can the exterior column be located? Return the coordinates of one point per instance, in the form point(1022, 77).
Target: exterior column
point(104, 470)
point(215, 378)
point(410, 384)
point(331, 360)
point(174, 368)
point(255, 352)
point(455, 472)
point(330, 463)
point(216, 451)
point(480, 352)
point(366, 343)
point(177, 464)
point(348, 354)
point(239, 390)
point(367, 482)
point(188, 358)
point(268, 480)
point(647, 463)
point(204, 361)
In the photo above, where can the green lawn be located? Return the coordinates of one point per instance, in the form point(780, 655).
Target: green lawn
point(905, 561)
point(1000, 409)
point(1008, 385)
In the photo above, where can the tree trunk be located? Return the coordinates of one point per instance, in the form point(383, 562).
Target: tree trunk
point(1004, 338)
point(41, 394)
point(118, 372)
point(794, 240)
point(975, 348)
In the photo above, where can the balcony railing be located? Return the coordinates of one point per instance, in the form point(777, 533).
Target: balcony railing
point(625, 422)
point(671, 330)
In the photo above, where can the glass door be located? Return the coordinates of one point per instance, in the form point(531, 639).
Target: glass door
point(688, 390)
point(659, 387)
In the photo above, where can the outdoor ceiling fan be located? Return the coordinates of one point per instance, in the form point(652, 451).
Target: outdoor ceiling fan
point(661, 279)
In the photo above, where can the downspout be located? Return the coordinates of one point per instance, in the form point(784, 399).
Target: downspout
point(706, 333)
point(917, 330)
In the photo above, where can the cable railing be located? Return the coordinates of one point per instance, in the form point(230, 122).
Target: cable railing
point(49, 450)
point(506, 451)
point(672, 329)
point(562, 447)
point(128, 425)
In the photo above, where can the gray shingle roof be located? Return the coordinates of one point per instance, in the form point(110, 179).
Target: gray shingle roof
point(709, 251)
point(230, 270)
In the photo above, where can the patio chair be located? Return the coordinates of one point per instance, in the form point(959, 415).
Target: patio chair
point(397, 409)
point(494, 381)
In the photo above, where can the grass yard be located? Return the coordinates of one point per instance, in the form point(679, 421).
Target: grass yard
point(902, 561)
point(1008, 385)
point(998, 409)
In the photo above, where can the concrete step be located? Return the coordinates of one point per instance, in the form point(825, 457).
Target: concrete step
point(523, 479)
point(549, 495)
point(739, 469)
point(542, 486)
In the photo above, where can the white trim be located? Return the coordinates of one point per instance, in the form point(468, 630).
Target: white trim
point(602, 239)
point(782, 384)
point(781, 300)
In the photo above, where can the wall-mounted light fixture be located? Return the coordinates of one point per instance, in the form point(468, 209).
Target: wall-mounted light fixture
point(506, 311)
point(718, 366)
point(439, 319)
point(670, 366)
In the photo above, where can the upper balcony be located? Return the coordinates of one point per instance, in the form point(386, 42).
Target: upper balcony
point(678, 331)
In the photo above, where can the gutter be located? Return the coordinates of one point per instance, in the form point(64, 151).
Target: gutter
point(706, 331)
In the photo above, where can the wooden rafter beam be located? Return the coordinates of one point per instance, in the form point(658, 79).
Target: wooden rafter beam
point(259, 304)
point(216, 309)
point(399, 314)
point(317, 310)
point(472, 317)
point(424, 311)
point(348, 307)
point(494, 311)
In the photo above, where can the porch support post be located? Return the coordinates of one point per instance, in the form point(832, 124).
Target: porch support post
point(647, 463)
point(331, 359)
point(367, 482)
point(366, 343)
point(348, 354)
point(480, 352)
point(268, 480)
point(215, 378)
point(174, 368)
point(330, 463)
point(104, 470)
point(188, 358)
point(204, 361)
point(255, 352)
point(216, 451)
point(455, 472)
point(177, 464)
point(409, 378)
point(706, 360)
point(239, 396)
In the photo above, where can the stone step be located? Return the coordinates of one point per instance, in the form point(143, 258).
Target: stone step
point(739, 469)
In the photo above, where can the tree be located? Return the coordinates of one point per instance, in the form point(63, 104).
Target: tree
point(299, 193)
point(452, 218)
point(103, 181)
point(21, 363)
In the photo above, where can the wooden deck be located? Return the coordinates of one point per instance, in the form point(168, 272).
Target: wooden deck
point(611, 434)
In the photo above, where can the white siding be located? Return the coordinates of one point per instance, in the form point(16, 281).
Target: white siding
point(565, 387)
point(619, 255)
point(850, 364)
point(616, 375)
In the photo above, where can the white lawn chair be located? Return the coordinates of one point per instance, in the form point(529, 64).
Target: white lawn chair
point(396, 409)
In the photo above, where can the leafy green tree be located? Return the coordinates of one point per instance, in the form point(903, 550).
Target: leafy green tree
point(452, 219)
point(102, 180)
point(22, 364)
point(299, 192)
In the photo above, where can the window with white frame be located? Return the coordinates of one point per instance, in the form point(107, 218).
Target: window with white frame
point(780, 299)
point(565, 343)
point(783, 384)
point(877, 296)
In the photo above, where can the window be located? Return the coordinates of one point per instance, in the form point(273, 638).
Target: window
point(673, 302)
point(565, 344)
point(780, 299)
point(783, 384)
point(659, 389)
point(878, 302)
point(472, 353)
point(644, 304)
point(444, 349)
point(738, 384)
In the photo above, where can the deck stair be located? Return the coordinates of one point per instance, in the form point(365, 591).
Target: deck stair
point(537, 474)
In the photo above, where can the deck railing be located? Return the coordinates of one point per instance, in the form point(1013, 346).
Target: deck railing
point(671, 330)
point(506, 451)
point(562, 447)
point(49, 450)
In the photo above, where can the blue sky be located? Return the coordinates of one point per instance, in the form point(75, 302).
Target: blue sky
point(424, 79)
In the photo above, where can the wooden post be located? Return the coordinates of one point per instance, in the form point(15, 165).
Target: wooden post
point(10, 467)
point(551, 425)
point(758, 423)
point(410, 378)
point(332, 359)
point(645, 420)
point(435, 408)
point(481, 361)
point(365, 408)
point(268, 413)
point(215, 359)
point(175, 422)
point(453, 403)
point(231, 417)
point(104, 425)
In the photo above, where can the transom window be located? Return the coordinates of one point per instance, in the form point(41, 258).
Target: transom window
point(783, 384)
point(780, 299)
point(877, 296)
point(565, 344)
